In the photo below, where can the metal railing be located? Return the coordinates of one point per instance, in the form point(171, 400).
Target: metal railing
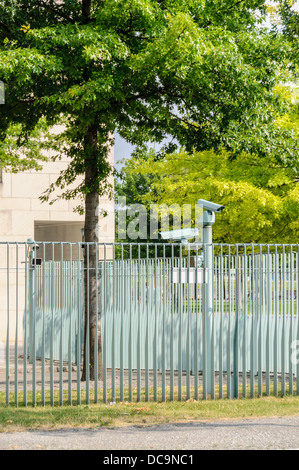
point(168, 324)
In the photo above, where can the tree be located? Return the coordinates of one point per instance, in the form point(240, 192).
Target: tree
point(18, 153)
point(261, 201)
point(202, 72)
point(285, 18)
point(133, 185)
point(261, 196)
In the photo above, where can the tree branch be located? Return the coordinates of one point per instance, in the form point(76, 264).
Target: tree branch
point(5, 26)
point(223, 12)
point(57, 11)
point(86, 8)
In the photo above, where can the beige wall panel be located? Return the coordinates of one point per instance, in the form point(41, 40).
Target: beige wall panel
point(65, 216)
point(5, 223)
point(29, 185)
point(5, 186)
point(37, 205)
point(15, 203)
point(23, 222)
point(52, 167)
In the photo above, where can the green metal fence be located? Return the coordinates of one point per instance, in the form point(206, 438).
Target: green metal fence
point(171, 326)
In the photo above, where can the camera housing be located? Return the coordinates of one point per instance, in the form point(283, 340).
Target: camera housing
point(33, 245)
point(181, 234)
point(210, 206)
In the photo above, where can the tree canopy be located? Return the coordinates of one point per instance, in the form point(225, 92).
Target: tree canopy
point(202, 72)
point(261, 201)
point(261, 195)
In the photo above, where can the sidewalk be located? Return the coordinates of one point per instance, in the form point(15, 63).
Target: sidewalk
point(244, 434)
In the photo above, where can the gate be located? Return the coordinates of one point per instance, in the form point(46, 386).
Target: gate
point(171, 326)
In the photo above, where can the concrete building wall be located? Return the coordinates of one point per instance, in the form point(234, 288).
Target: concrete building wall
point(23, 216)
point(21, 210)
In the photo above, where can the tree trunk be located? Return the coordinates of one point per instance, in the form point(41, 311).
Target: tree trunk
point(92, 329)
point(92, 334)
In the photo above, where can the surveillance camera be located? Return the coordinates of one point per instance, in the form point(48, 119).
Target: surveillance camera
point(210, 206)
point(183, 234)
point(33, 244)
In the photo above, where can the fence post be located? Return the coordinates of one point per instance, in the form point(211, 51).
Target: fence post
point(31, 298)
point(32, 338)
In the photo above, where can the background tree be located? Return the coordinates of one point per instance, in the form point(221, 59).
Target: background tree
point(202, 72)
point(261, 201)
point(261, 196)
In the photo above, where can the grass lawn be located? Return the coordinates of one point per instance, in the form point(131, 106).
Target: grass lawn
point(142, 413)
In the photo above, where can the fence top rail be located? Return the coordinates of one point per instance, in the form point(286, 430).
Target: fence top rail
point(151, 244)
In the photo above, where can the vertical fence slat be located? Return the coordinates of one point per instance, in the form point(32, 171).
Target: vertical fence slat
point(114, 281)
point(180, 305)
point(196, 335)
point(52, 330)
point(231, 318)
point(25, 329)
point(187, 314)
point(70, 310)
point(7, 355)
point(163, 347)
point(121, 321)
point(61, 293)
point(147, 322)
point(276, 313)
point(33, 325)
point(17, 325)
point(212, 315)
point(269, 318)
point(291, 318)
point(297, 319)
point(130, 327)
point(86, 314)
point(284, 306)
point(245, 313)
point(222, 313)
point(259, 315)
point(236, 329)
point(138, 299)
point(79, 319)
point(204, 329)
point(43, 326)
point(252, 312)
point(104, 327)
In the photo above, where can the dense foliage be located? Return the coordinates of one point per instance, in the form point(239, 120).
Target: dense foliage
point(202, 72)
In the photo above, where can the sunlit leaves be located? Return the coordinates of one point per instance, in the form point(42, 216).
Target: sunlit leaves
point(203, 72)
point(261, 200)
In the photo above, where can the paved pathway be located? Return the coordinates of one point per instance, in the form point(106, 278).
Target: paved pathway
point(245, 434)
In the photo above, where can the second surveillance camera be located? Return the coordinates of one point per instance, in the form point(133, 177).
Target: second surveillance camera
point(181, 234)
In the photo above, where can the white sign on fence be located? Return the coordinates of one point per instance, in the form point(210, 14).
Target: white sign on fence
point(187, 275)
point(2, 93)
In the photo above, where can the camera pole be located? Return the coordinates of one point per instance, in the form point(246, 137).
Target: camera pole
point(207, 220)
